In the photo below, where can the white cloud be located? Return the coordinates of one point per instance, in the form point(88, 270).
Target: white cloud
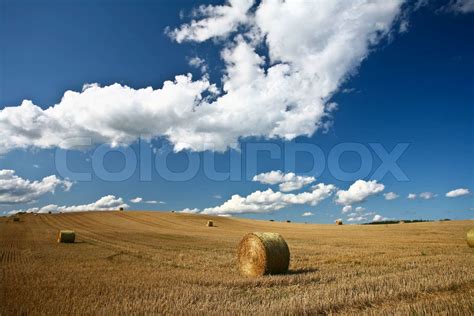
point(140, 200)
point(106, 203)
point(357, 219)
point(360, 209)
point(313, 47)
point(391, 196)
point(379, 218)
point(199, 63)
point(267, 201)
point(411, 196)
point(305, 214)
point(218, 21)
point(136, 200)
point(427, 195)
point(155, 202)
point(457, 193)
point(358, 192)
point(16, 190)
point(287, 182)
point(190, 211)
point(346, 208)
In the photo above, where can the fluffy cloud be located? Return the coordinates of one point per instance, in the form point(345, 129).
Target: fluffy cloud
point(356, 218)
point(313, 47)
point(358, 192)
point(457, 193)
point(306, 214)
point(136, 200)
point(106, 203)
point(287, 182)
point(267, 201)
point(358, 215)
point(15, 190)
point(218, 21)
point(411, 196)
point(391, 196)
point(379, 218)
point(346, 208)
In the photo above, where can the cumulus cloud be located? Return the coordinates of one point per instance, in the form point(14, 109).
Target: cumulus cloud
point(16, 190)
point(306, 214)
point(356, 218)
point(379, 218)
point(136, 200)
point(391, 196)
point(411, 196)
point(457, 193)
point(217, 21)
point(268, 201)
point(313, 47)
point(287, 182)
point(358, 215)
point(106, 203)
point(346, 208)
point(358, 192)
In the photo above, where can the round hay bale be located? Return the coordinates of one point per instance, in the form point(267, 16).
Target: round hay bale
point(66, 236)
point(121, 209)
point(401, 222)
point(210, 224)
point(470, 238)
point(339, 222)
point(16, 219)
point(263, 253)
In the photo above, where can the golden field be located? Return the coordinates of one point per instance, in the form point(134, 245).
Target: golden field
point(153, 262)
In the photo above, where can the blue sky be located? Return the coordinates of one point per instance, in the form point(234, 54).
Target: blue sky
point(411, 85)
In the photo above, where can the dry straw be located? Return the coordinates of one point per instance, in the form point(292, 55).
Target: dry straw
point(210, 224)
point(263, 253)
point(66, 236)
point(470, 238)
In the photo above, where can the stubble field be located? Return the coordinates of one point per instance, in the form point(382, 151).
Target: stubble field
point(151, 262)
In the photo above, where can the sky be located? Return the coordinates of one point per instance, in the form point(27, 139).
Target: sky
point(296, 110)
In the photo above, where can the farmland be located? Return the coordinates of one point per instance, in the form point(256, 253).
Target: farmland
point(150, 262)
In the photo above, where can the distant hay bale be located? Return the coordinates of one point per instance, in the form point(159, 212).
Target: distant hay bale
point(16, 219)
point(121, 209)
point(339, 222)
point(210, 224)
point(470, 238)
point(272, 220)
point(401, 222)
point(288, 221)
point(263, 253)
point(66, 236)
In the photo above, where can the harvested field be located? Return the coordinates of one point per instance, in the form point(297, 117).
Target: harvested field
point(150, 262)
